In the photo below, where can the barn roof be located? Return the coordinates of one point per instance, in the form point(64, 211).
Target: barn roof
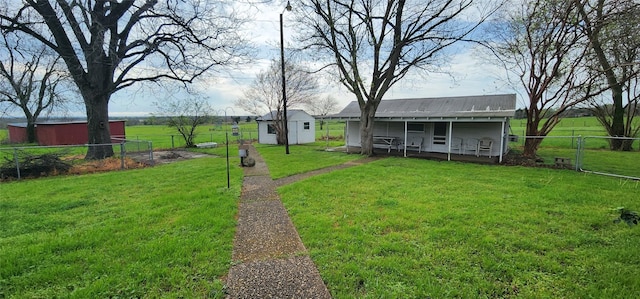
point(24, 125)
point(444, 107)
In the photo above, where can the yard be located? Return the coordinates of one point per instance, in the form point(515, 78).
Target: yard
point(426, 229)
point(392, 228)
point(165, 231)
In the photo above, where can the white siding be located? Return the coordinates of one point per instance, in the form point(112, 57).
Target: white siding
point(469, 132)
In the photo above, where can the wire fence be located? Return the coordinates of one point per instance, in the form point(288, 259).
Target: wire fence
point(329, 131)
point(36, 161)
point(590, 154)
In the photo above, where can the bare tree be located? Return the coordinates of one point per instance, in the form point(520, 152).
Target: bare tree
point(185, 115)
point(322, 107)
point(264, 95)
point(111, 45)
point(374, 44)
point(613, 30)
point(33, 81)
point(537, 43)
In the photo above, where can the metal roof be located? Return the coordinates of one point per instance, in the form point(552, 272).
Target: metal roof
point(57, 123)
point(446, 107)
point(269, 116)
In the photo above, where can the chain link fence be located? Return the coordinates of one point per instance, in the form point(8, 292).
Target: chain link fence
point(37, 161)
point(590, 154)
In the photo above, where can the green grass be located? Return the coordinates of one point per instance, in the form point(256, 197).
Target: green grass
point(165, 231)
point(302, 158)
point(561, 135)
point(407, 228)
point(164, 137)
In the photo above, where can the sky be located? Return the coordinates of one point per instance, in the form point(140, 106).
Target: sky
point(466, 74)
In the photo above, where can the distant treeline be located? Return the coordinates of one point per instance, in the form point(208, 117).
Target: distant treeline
point(131, 120)
point(575, 112)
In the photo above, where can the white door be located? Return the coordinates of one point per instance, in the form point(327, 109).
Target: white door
point(293, 132)
point(439, 140)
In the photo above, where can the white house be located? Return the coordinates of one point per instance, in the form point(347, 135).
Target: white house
point(302, 128)
point(468, 125)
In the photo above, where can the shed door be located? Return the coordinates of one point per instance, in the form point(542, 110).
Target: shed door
point(293, 132)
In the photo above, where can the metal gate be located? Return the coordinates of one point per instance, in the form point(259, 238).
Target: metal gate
point(593, 156)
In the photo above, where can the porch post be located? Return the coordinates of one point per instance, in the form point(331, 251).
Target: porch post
point(346, 136)
point(501, 142)
point(450, 138)
point(405, 139)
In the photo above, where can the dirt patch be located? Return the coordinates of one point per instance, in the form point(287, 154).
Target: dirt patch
point(163, 157)
point(109, 164)
point(132, 161)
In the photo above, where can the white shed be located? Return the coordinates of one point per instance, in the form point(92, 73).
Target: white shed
point(301, 125)
point(467, 125)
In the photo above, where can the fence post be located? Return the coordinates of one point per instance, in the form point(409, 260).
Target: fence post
point(579, 146)
point(15, 158)
point(122, 154)
point(151, 152)
point(172, 145)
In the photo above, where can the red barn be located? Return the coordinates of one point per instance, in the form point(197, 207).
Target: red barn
point(62, 133)
point(17, 133)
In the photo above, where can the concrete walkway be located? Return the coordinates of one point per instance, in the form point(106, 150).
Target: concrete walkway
point(270, 259)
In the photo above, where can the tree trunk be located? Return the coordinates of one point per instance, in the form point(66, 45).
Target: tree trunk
point(367, 114)
point(280, 133)
point(531, 147)
point(531, 143)
point(617, 122)
point(31, 131)
point(98, 128)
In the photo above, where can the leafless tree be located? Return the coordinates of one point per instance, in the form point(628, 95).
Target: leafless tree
point(32, 80)
point(374, 44)
point(537, 43)
point(264, 95)
point(322, 107)
point(613, 30)
point(111, 45)
point(185, 115)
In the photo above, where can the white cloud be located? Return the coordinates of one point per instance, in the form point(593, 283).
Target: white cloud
point(466, 74)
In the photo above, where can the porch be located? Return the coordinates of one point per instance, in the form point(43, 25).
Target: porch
point(451, 128)
point(381, 152)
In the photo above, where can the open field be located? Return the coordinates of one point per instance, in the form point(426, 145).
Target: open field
point(165, 231)
point(407, 228)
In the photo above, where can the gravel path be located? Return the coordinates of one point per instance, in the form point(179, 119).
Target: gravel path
point(270, 260)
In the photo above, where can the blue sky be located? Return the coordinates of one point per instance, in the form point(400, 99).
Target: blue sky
point(467, 74)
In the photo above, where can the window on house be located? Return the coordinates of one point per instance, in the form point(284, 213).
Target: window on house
point(271, 129)
point(415, 127)
point(307, 125)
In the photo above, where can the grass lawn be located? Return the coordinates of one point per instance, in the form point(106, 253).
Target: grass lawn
point(407, 228)
point(301, 158)
point(164, 137)
point(165, 231)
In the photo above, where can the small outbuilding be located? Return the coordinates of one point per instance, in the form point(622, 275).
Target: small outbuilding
point(468, 125)
point(301, 125)
point(62, 133)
